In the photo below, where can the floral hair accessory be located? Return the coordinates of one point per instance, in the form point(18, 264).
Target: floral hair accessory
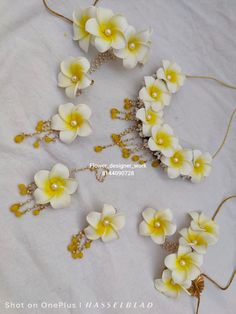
point(70, 122)
point(51, 189)
point(104, 225)
point(110, 34)
point(182, 272)
point(150, 138)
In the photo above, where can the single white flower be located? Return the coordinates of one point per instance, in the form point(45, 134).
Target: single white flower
point(167, 286)
point(108, 29)
point(155, 93)
point(149, 118)
point(72, 121)
point(54, 187)
point(157, 224)
point(180, 163)
point(104, 225)
point(80, 18)
point(201, 166)
point(185, 265)
point(163, 140)
point(73, 76)
point(201, 222)
point(136, 48)
point(197, 240)
point(172, 74)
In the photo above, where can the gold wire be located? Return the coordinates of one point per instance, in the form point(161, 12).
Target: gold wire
point(198, 303)
point(221, 204)
point(220, 287)
point(211, 78)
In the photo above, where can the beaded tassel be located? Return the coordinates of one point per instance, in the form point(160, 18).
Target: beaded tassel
point(79, 243)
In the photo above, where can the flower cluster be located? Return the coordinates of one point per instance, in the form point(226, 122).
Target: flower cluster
point(155, 95)
point(106, 30)
point(184, 266)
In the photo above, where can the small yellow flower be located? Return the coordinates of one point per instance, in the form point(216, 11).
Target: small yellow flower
point(155, 93)
point(104, 225)
point(80, 18)
point(157, 224)
point(172, 74)
point(201, 166)
point(149, 118)
point(167, 286)
point(202, 223)
point(163, 140)
point(54, 187)
point(73, 75)
point(185, 265)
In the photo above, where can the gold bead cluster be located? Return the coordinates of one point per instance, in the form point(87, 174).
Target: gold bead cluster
point(78, 244)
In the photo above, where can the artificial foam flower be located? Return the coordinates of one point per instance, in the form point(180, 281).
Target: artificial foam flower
point(155, 93)
point(80, 18)
point(136, 48)
point(54, 187)
point(180, 163)
point(197, 240)
point(149, 118)
point(172, 74)
point(167, 286)
point(185, 265)
point(73, 76)
point(72, 121)
point(157, 224)
point(201, 166)
point(108, 29)
point(104, 225)
point(202, 223)
point(163, 140)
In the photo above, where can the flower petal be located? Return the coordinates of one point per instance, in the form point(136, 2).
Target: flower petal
point(158, 238)
point(40, 177)
point(104, 15)
point(93, 27)
point(109, 236)
point(85, 129)
point(93, 218)
point(130, 62)
point(118, 221)
point(148, 214)
point(63, 81)
point(62, 201)
point(170, 261)
point(84, 110)
point(84, 43)
point(144, 230)
point(59, 170)
point(108, 210)
point(71, 186)
point(68, 136)
point(65, 110)
point(91, 233)
point(41, 197)
point(57, 123)
point(101, 44)
point(118, 41)
point(71, 91)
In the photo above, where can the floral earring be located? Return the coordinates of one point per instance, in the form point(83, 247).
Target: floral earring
point(104, 225)
point(52, 189)
point(150, 138)
point(182, 272)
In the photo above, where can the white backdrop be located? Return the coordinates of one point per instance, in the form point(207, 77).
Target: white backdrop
point(35, 265)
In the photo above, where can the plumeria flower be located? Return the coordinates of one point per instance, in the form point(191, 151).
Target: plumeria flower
point(73, 76)
point(104, 225)
point(72, 121)
point(185, 265)
point(80, 18)
point(136, 48)
point(155, 93)
point(197, 240)
point(167, 286)
point(163, 140)
point(108, 29)
point(201, 166)
point(171, 73)
point(149, 118)
point(54, 187)
point(157, 224)
point(180, 163)
point(201, 222)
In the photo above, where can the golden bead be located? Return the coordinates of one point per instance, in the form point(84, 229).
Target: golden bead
point(36, 212)
point(79, 254)
point(155, 163)
point(15, 207)
point(74, 255)
point(87, 245)
point(114, 113)
point(19, 138)
point(70, 248)
point(135, 158)
point(128, 116)
point(141, 162)
point(127, 103)
point(36, 144)
point(116, 138)
point(98, 149)
point(22, 189)
point(18, 214)
point(39, 126)
point(48, 139)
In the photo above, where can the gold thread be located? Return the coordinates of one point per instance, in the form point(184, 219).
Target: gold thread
point(211, 78)
point(219, 286)
point(221, 204)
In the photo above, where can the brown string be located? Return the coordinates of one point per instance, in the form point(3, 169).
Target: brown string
point(221, 204)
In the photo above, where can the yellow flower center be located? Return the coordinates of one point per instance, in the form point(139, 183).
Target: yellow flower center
point(76, 71)
point(54, 186)
point(74, 120)
point(171, 76)
point(157, 224)
point(108, 32)
point(74, 79)
point(199, 166)
point(151, 117)
point(182, 262)
point(163, 139)
point(177, 159)
point(155, 92)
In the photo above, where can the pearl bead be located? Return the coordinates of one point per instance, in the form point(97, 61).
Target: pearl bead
point(160, 141)
point(197, 164)
point(154, 94)
point(169, 77)
point(106, 222)
point(176, 159)
point(157, 224)
point(132, 46)
point(149, 117)
point(194, 242)
point(182, 263)
point(54, 186)
point(74, 79)
point(73, 123)
point(108, 32)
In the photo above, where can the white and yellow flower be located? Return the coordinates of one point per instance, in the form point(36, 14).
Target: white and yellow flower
point(157, 224)
point(185, 265)
point(167, 286)
point(104, 225)
point(73, 76)
point(180, 163)
point(202, 164)
point(197, 240)
point(54, 187)
point(136, 48)
point(155, 93)
point(149, 118)
point(172, 74)
point(72, 121)
point(204, 224)
point(163, 140)
point(108, 29)
point(80, 18)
